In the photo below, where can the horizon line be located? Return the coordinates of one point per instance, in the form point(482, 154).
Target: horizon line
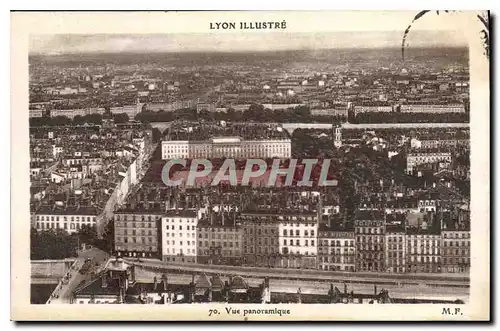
point(212, 51)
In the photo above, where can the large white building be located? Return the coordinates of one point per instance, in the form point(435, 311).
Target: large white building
point(372, 108)
point(451, 108)
point(298, 237)
point(178, 235)
point(230, 147)
point(70, 219)
point(415, 159)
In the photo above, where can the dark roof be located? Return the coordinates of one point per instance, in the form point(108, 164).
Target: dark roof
point(366, 215)
point(181, 213)
point(284, 213)
point(428, 231)
point(202, 281)
point(238, 283)
point(394, 229)
point(217, 283)
point(337, 227)
point(69, 210)
point(140, 211)
point(95, 286)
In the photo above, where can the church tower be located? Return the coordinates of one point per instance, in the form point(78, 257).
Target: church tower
point(337, 142)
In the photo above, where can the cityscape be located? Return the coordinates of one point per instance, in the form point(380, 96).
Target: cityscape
point(390, 135)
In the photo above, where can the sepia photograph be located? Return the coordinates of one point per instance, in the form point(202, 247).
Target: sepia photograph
point(251, 166)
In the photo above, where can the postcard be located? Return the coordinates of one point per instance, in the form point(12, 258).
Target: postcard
point(250, 166)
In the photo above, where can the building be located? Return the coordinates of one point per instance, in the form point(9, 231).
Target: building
point(395, 248)
point(337, 112)
point(433, 109)
point(423, 251)
point(337, 142)
point(220, 240)
point(36, 113)
point(415, 159)
point(298, 244)
point(260, 239)
point(178, 236)
point(209, 107)
point(455, 247)
point(236, 140)
point(130, 110)
point(137, 232)
point(109, 287)
point(369, 229)
point(68, 218)
point(230, 147)
point(337, 248)
point(376, 108)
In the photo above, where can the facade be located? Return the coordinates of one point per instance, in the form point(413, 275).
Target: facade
point(455, 246)
point(36, 113)
point(427, 205)
point(415, 159)
point(179, 240)
point(395, 249)
point(130, 110)
point(444, 143)
point(70, 219)
point(170, 107)
point(137, 233)
point(298, 244)
point(209, 107)
point(337, 249)
point(71, 113)
point(219, 242)
point(231, 147)
point(423, 251)
point(260, 239)
point(369, 229)
point(372, 108)
point(337, 142)
point(451, 108)
point(342, 112)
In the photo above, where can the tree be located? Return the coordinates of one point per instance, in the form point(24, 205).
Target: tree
point(156, 135)
point(78, 120)
point(87, 235)
point(93, 119)
point(52, 244)
point(120, 118)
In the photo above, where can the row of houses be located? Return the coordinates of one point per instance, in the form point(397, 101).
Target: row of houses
point(292, 240)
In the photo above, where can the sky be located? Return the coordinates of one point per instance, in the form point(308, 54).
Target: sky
point(340, 29)
point(210, 42)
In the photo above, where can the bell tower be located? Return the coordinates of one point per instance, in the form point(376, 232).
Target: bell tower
point(337, 142)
